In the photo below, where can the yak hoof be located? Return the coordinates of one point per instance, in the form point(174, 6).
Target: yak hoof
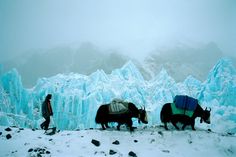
point(177, 128)
point(103, 128)
point(131, 129)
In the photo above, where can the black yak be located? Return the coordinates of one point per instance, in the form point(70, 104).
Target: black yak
point(167, 115)
point(104, 116)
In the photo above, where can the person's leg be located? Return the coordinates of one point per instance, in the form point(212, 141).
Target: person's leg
point(47, 123)
point(43, 124)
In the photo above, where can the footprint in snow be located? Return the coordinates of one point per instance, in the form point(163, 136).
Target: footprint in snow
point(166, 151)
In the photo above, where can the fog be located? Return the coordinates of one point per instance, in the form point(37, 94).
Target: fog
point(134, 28)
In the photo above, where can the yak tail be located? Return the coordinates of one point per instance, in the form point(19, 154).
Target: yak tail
point(101, 114)
point(165, 112)
point(98, 116)
point(97, 120)
point(162, 116)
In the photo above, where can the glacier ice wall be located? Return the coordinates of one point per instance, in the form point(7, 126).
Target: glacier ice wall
point(76, 97)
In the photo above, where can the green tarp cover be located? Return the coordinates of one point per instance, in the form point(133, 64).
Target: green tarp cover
point(176, 110)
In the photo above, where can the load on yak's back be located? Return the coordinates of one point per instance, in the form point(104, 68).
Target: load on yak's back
point(118, 106)
point(121, 112)
point(183, 109)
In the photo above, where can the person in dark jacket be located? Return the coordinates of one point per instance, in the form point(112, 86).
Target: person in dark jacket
point(46, 112)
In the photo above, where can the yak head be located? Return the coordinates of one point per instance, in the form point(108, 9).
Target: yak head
point(206, 116)
point(142, 116)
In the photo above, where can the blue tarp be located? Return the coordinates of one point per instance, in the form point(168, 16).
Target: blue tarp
point(185, 102)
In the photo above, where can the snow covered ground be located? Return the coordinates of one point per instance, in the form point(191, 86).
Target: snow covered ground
point(145, 141)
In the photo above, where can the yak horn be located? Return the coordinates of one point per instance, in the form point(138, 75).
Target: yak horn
point(143, 107)
point(208, 110)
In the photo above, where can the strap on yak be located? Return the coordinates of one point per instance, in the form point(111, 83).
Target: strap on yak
point(118, 106)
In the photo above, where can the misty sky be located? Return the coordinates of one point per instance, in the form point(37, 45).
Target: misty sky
point(131, 26)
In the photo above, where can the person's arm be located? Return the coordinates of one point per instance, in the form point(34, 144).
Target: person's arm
point(50, 109)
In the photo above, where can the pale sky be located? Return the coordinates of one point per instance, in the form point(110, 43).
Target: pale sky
point(131, 26)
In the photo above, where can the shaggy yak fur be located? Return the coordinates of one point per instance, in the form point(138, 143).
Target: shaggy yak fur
point(103, 116)
point(167, 116)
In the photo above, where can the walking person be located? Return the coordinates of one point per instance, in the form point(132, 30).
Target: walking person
point(46, 112)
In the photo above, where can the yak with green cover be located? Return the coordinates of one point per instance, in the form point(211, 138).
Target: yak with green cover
point(179, 111)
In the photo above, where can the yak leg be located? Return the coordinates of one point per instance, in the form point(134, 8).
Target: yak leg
point(130, 124)
point(184, 126)
point(103, 127)
point(192, 125)
point(187, 123)
point(118, 126)
point(165, 126)
point(107, 126)
point(175, 126)
point(174, 123)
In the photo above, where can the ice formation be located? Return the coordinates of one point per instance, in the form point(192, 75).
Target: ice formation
point(76, 97)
